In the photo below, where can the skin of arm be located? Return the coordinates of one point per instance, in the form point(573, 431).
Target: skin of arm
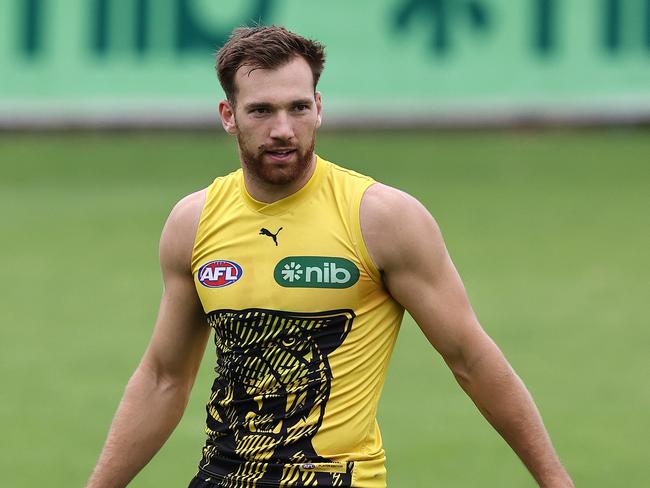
point(158, 391)
point(420, 275)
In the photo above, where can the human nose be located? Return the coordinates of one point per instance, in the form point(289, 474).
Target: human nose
point(282, 128)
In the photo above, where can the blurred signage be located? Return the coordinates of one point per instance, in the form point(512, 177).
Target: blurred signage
point(386, 58)
point(108, 21)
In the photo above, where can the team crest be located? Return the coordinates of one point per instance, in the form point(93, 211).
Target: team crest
point(220, 273)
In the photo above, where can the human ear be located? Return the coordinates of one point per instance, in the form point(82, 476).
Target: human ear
point(227, 114)
point(319, 108)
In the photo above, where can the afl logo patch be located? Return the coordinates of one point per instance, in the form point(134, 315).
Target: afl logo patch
point(217, 274)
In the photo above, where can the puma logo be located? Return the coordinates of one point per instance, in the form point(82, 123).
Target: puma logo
point(266, 232)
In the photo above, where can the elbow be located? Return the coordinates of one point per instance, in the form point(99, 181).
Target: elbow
point(462, 369)
point(463, 375)
point(484, 366)
point(163, 382)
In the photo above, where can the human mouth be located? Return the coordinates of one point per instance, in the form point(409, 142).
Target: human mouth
point(281, 154)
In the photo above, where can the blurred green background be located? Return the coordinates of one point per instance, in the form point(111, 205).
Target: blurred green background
point(549, 229)
point(389, 61)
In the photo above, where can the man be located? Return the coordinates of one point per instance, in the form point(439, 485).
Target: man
point(288, 259)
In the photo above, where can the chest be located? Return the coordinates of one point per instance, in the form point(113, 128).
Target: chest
point(303, 260)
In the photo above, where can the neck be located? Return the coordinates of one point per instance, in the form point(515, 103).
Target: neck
point(268, 193)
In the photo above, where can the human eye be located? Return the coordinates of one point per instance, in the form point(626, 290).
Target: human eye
point(259, 111)
point(301, 107)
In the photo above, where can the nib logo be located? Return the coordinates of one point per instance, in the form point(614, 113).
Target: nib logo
point(315, 272)
point(291, 272)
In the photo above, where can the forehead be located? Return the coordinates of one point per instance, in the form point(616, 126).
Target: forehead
point(291, 81)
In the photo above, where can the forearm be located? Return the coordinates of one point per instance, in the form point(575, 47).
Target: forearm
point(505, 402)
point(148, 413)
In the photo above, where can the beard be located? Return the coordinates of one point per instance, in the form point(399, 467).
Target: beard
point(276, 173)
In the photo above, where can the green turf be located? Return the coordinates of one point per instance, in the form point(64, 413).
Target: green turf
point(550, 231)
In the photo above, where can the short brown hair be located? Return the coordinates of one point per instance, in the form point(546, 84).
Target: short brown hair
point(265, 47)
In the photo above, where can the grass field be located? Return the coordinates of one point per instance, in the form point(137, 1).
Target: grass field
point(550, 231)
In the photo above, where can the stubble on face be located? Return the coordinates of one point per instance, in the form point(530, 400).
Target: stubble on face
point(273, 173)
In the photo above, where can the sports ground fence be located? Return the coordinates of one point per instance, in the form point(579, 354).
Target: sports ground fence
point(149, 63)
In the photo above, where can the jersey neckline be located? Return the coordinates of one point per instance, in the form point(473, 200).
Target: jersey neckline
point(284, 204)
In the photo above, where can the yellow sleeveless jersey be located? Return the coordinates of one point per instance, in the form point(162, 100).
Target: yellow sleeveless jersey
point(303, 329)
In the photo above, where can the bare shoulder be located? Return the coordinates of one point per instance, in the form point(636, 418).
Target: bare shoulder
point(395, 226)
point(177, 239)
point(187, 211)
point(385, 201)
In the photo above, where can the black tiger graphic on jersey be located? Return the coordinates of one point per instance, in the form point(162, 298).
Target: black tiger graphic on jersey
point(269, 396)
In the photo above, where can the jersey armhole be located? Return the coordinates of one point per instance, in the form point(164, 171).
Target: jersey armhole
point(358, 240)
point(200, 228)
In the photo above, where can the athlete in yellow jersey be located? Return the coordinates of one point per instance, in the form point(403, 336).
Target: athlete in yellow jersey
point(303, 270)
point(303, 330)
